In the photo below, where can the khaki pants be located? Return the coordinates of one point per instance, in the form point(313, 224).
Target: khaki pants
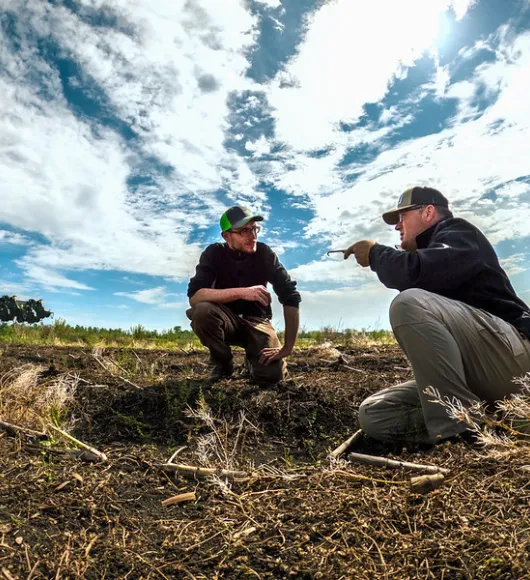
point(219, 328)
point(463, 352)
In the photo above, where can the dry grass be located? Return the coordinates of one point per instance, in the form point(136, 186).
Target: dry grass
point(505, 431)
point(298, 517)
point(222, 446)
point(29, 399)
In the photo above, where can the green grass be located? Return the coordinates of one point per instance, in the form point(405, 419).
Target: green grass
point(60, 333)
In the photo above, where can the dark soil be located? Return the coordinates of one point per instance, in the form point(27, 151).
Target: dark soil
point(293, 516)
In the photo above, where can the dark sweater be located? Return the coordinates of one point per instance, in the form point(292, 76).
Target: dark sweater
point(220, 267)
point(454, 259)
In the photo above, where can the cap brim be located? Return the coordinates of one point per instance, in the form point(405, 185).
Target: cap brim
point(242, 223)
point(392, 217)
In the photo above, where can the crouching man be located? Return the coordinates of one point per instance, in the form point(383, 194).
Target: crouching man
point(457, 318)
point(231, 305)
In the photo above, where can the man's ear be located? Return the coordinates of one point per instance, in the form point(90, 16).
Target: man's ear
point(431, 213)
point(223, 235)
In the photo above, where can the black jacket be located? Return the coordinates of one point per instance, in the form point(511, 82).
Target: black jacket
point(454, 259)
point(220, 267)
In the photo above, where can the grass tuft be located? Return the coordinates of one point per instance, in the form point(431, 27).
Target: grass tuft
point(27, 400)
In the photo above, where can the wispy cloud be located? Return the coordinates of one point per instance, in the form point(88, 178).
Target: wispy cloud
point(515, 264)
point(21, 290)
point(157, 296)
point(148, 296)
point(119, 184)
point(465, 160)
point(348, 308)
point(270, 3)
point(14, 238)
point(341, 65)
point(129, 127)
point(51, 279)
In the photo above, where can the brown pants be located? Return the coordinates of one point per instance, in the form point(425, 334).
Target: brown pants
point(466, 354)
point(219, 328)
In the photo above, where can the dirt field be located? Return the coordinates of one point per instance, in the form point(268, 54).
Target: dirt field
point(291, 514)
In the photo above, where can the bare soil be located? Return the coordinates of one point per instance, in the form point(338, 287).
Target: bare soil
point(295, 515)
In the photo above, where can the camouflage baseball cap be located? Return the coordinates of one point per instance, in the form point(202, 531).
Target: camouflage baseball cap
point(415, 196)
point(237, 217)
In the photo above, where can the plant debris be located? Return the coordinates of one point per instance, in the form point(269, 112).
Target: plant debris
point(297, 514)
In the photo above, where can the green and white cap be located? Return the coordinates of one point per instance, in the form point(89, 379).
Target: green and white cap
point(415, 197)
point(237, 217)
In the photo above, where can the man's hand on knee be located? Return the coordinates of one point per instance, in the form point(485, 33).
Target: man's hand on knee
point(268, 355)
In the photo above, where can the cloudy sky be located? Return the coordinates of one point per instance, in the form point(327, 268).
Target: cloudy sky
point(128, 126)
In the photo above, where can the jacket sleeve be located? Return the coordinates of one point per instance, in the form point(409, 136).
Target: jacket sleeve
point(283, 286)
point(452, 258)
point(205, 273)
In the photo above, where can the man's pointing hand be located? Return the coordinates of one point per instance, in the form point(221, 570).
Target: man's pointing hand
point(361, 250)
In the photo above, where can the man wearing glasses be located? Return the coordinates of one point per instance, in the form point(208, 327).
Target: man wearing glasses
point(231, 305)
point(458, 319)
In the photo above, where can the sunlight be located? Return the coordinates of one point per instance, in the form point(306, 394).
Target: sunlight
point(350, 54)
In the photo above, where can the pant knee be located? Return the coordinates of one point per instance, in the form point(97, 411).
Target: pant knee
point(390, 420)
point(202, 312)
point(367, 420)
point(407, 305)
point(269, 374)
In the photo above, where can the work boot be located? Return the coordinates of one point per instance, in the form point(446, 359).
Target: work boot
point(219, 371)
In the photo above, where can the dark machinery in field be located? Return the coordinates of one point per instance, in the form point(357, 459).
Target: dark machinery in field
point(29, 311)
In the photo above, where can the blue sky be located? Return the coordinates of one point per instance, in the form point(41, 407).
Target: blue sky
point(127, 128)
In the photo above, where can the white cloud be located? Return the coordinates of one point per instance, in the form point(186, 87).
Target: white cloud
point(515, 264)
point(166, 73)
point(270, 3)
point(157, 296)
point(148, 296)
point(461, 7)
point(259, 147)
point(21, 290)
point(335, 270)
point(343, 64)
point(13, 238)
point(347, 308)
point(470, 157)
point(183, 305)
point(280, 246)
point(51, 279)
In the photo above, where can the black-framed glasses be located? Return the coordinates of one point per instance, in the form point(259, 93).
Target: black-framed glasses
point(403, 212)
point(247, 232)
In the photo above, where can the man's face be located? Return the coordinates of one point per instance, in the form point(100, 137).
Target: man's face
point(411, 223)
point(243, 239)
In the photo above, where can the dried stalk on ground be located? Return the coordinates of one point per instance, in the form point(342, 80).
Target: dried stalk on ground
point(385, 462)
point(88, 448)
point(194, 472)
point(346, 445)
point(15, 430)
